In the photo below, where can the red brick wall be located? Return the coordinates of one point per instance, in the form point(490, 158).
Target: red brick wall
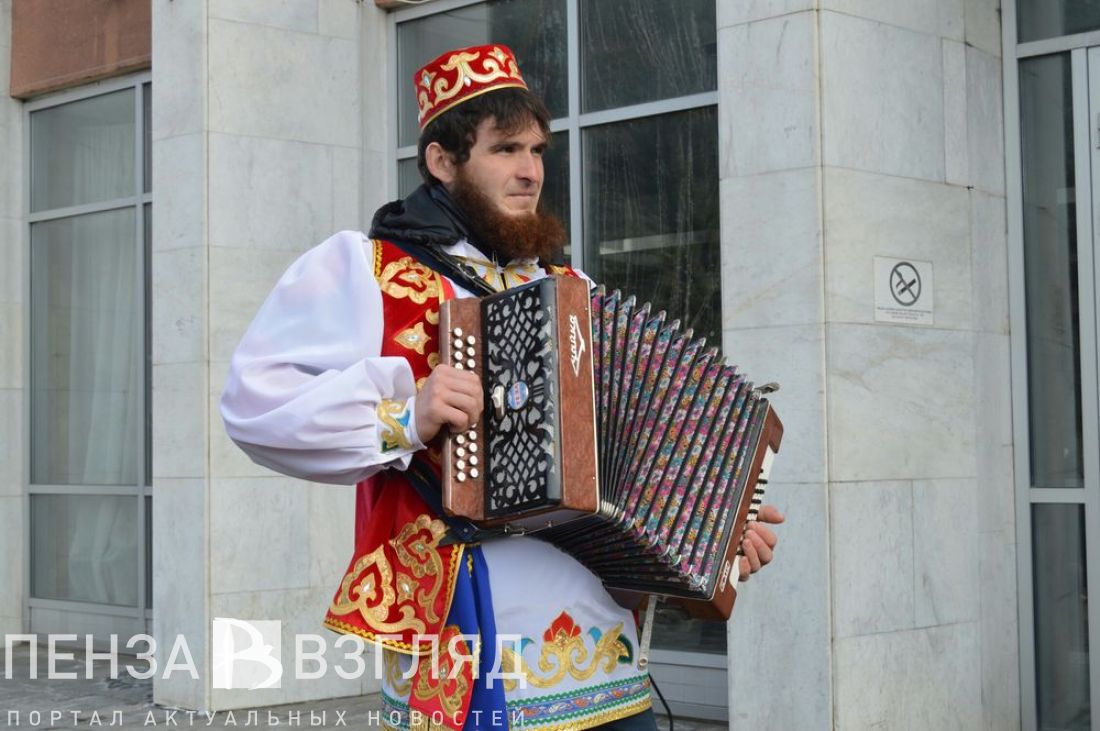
point(56, 44)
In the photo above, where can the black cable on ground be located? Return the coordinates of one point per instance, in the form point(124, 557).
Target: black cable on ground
point(668, 711)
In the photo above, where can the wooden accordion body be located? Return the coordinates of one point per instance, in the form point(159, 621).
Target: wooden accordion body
point(610, 433)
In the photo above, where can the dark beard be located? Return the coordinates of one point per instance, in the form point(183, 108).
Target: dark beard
point(528, 235)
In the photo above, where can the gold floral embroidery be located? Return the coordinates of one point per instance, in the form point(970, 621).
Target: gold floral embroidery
point(420, 382)
point(396, 679)
point(395, 416)
point(370, 587)
point(433, 360)
point(432, 683)
point(407, 277)
point(413, 338)
point(564, 651)
point(432, 316)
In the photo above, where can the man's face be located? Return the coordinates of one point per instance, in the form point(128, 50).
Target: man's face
point(506, 168)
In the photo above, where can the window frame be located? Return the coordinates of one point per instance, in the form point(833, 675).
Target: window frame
point(574, 123)
point(139, 618)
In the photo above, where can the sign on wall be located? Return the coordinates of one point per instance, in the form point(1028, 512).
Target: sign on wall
point(903, 291)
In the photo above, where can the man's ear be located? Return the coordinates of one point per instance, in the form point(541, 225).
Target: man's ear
point(440, 163)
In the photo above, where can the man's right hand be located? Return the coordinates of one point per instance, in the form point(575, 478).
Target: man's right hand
point(449, 397)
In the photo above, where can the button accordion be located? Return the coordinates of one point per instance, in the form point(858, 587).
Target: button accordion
point(611, 433)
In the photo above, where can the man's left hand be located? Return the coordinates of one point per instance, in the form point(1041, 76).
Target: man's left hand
point(759, 542)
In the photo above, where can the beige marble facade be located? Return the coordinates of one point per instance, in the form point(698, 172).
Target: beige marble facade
point(13, 316)
point(901, 612)
point(259, 147)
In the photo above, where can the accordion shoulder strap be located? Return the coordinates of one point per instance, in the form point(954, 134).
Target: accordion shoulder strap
point(424, 479)
point(440, 261)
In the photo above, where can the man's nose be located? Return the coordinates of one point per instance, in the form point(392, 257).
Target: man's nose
point(530, 168)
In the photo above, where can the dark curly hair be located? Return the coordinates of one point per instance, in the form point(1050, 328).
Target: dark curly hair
point(456, 129)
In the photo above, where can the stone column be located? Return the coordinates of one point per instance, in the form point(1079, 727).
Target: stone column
point(258, 154)
point(13, 316)
point(855, 129)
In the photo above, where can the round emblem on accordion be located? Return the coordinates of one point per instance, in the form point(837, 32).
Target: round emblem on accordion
point(517, 395)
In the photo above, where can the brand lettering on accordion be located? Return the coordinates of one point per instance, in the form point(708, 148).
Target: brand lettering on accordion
point(726, 567)
point(576, 344)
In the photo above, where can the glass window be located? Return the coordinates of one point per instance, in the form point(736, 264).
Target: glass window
point(1050, 261)
point(83, 152)
point(635, 51)
point(1037, 19)
point(651, 213)
point(86, 347)
point(84, 548)
point(90, 363)
point(533, 29)
point(648, 203)
point(1061, 616)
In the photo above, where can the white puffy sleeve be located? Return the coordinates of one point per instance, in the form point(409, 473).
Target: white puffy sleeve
point(308, 394)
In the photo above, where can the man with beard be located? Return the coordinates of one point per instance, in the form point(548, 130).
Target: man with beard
point(338, 380)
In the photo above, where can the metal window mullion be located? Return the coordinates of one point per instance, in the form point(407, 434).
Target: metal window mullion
point(573, 86)
point(104, 490)
point(1058, 44)
point(87, 91)
point(650, 109)
point(1019, 371)
point(1057, 495)
point(85, 208)
point(65, 605)
point(432, 8)
point(139, 287)
point(1087, 160)
point(392, 149)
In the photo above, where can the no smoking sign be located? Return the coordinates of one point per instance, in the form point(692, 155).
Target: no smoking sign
point(903, 291)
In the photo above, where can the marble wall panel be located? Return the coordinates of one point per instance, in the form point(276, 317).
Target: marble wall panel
point(347, 171)
point(13, 538)
point(179, 306)
point(300, 612)
point(956, 162)
point(13, 442)
point(338, 18)
point(180, 182)
point(179, 420)
point(179, 72)
point(780, 632)
point(989, 262)
point(331, 533)
point(793, 357)
point(873, 563)
point(993, 433)
point(882, 98)
point(771, 250)
point(901, 403)
point(269, 82)
point(299, 15)
point(767, 86)
point(269, 194)
point(181, 556)
point(259, 533)
point(999, 628)
point(983, 25)
point(942, 18)
point(913, 680)
point(14, 272)
point(985, 126)
point(869, 215)
point(746, 11)
point(945, 552)
point(240, 280)
point(12, 333)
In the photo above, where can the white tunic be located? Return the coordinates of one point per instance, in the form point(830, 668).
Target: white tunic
point(301, 398)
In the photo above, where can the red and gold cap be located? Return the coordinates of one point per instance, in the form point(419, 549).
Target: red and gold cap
point(463, 74)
